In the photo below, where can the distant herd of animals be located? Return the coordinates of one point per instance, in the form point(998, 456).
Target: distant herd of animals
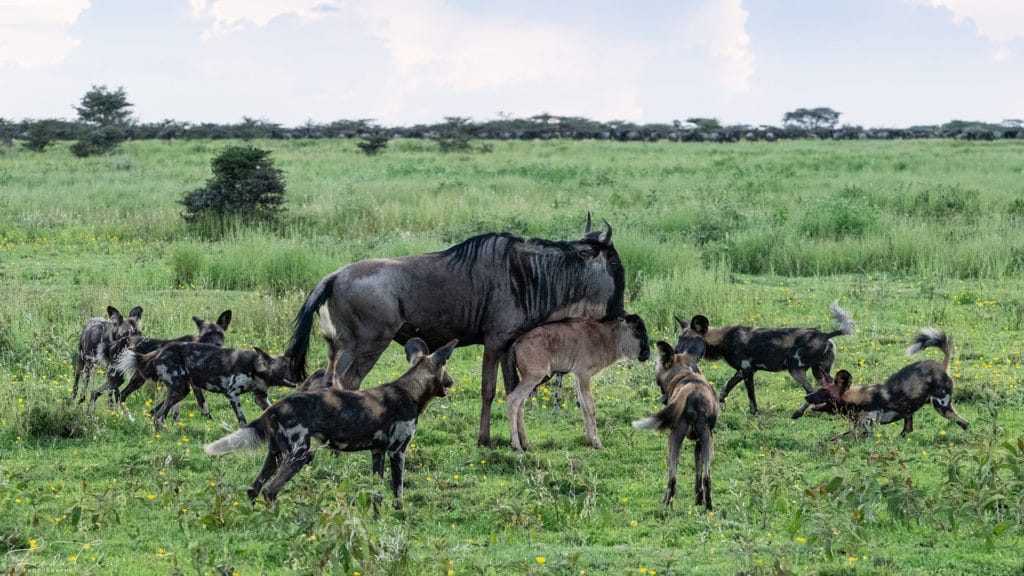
point(540, 308)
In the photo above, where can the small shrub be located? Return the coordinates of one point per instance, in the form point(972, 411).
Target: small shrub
point(52, 421)
point(374, 143)
point(245, 186)
point(102, 140)
point(40, 135)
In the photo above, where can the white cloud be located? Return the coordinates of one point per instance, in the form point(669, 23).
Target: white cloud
point(36, 32)
point(719, 27)
point(1000, 21)
point(230, 15)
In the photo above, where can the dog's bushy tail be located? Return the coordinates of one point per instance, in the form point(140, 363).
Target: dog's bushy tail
point(245, 438)
point(932, 338)
point(846, 324)
point(665, 418)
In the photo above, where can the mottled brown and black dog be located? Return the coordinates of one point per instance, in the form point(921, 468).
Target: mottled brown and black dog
point(747, 349)
point(381, 419)
point(691, 411)
point(904, 393)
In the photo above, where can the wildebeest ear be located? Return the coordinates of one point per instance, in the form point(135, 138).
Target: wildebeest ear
point(135, 313)
point(843, 379)
point(700, 324)
point(442, 354)
point(666, 355)
point(114, 314)
point(224, 319)
point(415, 348)
point(199, 322)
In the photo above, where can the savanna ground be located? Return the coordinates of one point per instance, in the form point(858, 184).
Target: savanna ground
point(904, 234)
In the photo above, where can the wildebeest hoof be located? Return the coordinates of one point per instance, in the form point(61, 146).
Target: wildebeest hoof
point(753, 411)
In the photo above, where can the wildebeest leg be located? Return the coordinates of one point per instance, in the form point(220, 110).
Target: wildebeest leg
point(397, 458)
point(378, 461)
point(270, 466)
point(355, 360)
point(586, 398)
point(507, 369)
point(488, 383)
point(730, 385)
point(297, 457)
point(515, 402)
point(675, 442)
point(800, 375)
point(748, 382)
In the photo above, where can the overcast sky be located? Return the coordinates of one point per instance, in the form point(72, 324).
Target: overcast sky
point(878, 62)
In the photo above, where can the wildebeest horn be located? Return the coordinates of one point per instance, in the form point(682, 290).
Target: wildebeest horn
point(606, 237)
point(587, 229)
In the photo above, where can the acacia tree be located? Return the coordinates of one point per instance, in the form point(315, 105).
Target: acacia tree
point(107, 113)
point(811, 118)
point(245, 186)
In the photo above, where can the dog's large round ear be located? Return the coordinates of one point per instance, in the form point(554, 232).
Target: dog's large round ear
point(224, 319)
point(694, 349)
point(415, 348)
point(666, 355)
point(199, 322)
point(114, 314)
point(442, 354)
point(135, 312)
point(700, 324)
point(263, 361)
point(843, 379)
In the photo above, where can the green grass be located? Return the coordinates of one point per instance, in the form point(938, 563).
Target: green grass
point(905, 234)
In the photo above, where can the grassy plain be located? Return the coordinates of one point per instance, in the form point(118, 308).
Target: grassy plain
point(905, 234)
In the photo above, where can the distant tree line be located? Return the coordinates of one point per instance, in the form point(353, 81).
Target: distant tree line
point(104, 122)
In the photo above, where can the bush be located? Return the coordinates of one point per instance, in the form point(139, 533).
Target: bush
point(373, 144)
point(39, 135)
point(245, 186)
point(102, 140)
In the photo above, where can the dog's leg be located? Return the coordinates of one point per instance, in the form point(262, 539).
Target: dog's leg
point(729, 386)
point(201, 400)
point(236, 405)
point(176, 391)
point(558, 392)
point(586, 398)
point(800, 375)
point(293, 462)
point(698, 473)
point(944, 406)
point(397, 458)
point(134, 384)
point(86, 376)
point(261, 399)
point(675, 442)
point(908, 425)
point(79, 368)
point(378, 461)
point(748, 382)
point(270, 466)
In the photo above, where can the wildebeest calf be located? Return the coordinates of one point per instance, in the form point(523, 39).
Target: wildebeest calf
point(691, 411)
point(206, 332)
point(898, 397)
point(747, 350)
point(228, 371)
point(100, 343)
point(578, 345)
point(381, 419)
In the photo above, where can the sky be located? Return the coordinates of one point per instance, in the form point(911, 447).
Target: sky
point(880, 63)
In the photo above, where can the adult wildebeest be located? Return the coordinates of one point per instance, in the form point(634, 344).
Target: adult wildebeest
point(101, 341)
point(486, 290)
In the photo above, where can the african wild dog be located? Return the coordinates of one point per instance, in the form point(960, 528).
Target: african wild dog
point(206, 333)
point(100, 343)
point(578, 345)
point(747, 350)
point(228, 371)
point(691, 411)
point(898, 397)
point(381, 419)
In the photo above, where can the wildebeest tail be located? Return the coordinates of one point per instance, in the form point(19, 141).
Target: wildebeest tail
point(842, 317)
point(299, 345)
point(245, 438)
point(932, 338)
point(665, 418)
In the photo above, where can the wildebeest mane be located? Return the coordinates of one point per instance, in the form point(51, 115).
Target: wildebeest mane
point(527, 262)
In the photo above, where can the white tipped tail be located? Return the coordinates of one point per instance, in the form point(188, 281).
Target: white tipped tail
point(127, 363)
point(242, 439)
point(846, 323)
point(649, 423)
point(927, 338)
